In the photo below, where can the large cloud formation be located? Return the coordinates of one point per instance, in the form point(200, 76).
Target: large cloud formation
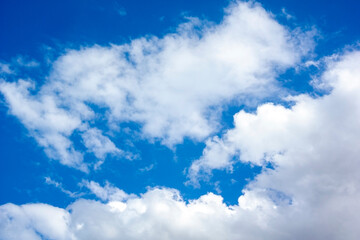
point(311, 193)
point(173, 87)
point(312, 190)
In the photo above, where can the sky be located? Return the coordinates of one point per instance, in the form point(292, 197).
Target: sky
point(179, 119)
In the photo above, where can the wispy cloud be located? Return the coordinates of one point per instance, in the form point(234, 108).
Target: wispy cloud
point(286, 14)
point(25, 62)
point(59, 186)
point(5, 68)
point(147, 168)
point(121, 11)
point(107, 192)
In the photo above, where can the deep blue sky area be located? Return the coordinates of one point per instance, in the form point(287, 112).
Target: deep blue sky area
point(41, 29)
point(29, 26)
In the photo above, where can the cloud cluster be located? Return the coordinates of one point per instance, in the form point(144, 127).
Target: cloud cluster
point(312, 147)
point(173, 87)
point(311, 193)
point(315, 127)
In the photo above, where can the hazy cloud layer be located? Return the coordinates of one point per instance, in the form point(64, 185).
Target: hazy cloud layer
point(172, 87)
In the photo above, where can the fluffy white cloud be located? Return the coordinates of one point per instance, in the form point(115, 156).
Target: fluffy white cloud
point(50, 125)
point(34, 221)
point(173, 87)
point(313, 148)
point(315, 127)
point(312, 193)
point(157, 214)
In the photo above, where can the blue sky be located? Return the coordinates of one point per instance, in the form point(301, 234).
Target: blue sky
point(203, 107)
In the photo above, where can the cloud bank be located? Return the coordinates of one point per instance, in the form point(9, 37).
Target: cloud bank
point(172, 87)
point(311, 193)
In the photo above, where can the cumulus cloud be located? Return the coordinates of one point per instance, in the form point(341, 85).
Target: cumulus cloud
point(157, 214)
point(313, 148)
point(311, 193)
point(313, 125)
point(173, 87)
point(34, 221)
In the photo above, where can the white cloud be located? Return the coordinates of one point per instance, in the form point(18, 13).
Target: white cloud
point(25, 62)
point(312, 193)
point(59, 185)
point(163, 214)
point(158, 214)
point(106, 193)
point(275, 133)
point(313, 147)
point(147, 168)
point(97, 143)
point(5, 68)
point(34, 221)
point(173, 87)
point(50, 125)
point(286, 14)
